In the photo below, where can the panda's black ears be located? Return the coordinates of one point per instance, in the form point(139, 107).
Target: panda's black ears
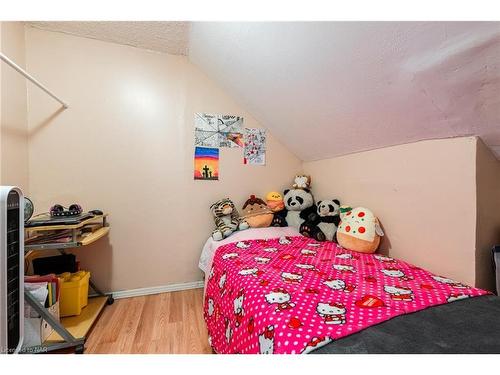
point(307, 190)
point(337, 201)
point(318, 203)
point(286, 191)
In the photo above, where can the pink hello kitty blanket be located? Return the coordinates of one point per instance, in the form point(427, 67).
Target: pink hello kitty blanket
point(294, 295)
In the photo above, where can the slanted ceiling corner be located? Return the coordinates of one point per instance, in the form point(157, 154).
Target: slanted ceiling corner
point(332, 88)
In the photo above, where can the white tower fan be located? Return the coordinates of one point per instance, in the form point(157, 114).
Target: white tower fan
point(11, 269)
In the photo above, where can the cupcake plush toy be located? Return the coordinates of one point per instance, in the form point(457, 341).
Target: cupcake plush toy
point(256, 213)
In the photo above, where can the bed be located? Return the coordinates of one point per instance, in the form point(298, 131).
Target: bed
point(273, 291)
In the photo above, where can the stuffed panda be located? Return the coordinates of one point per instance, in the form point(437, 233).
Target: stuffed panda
point(323, 227)
point(299, 207)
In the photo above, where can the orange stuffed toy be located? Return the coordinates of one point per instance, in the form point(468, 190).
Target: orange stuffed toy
point(275, 201)
point(359, 230)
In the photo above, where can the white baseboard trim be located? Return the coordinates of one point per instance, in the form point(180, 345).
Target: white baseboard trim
point(157, 289)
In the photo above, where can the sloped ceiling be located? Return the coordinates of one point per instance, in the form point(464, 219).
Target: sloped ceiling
point(170, 37)
point(332, 88)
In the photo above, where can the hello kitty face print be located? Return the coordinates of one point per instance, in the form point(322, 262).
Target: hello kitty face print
point(229, 330)
point(266, 341)
point(238, 307)
point(290, 277)
point(344, 268)
point(308, 267)
point(242, 245)
point(332, 313)
point(457, 296)
point(449, 282)
point(230, 256)
point(396, 273)
point(399, 293)
point(281, 298)
point(383, 258)
point(249, 272)
point(222, 280)
point(314, 244)
point(262, 260)
point(338, 284)
point(270, 249)
point(284, 241)
point(346, 256)
point(210, 307)
point(308, 253)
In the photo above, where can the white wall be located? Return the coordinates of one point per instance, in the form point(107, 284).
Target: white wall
point(126, 145)
point(424, 194)
point(13, 118)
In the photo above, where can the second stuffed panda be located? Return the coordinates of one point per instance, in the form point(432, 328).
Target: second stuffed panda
point(324, 227)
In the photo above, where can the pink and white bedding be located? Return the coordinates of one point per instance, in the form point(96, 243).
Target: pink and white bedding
point(208, 251)
point(294, 294)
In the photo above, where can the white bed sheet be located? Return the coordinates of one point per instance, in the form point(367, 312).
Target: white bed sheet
point(211, 246)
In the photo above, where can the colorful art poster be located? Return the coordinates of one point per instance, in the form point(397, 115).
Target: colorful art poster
point(255, 147)
point(218, 130)
point(206, 163)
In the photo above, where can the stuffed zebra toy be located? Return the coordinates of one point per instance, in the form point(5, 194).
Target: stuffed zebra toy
point(227, 220)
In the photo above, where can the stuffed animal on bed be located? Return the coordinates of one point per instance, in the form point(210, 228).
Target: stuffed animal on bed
point(299, 207)
point(359, 230)
point(324, 226)
point(302, 182)
point(256, 213)
point(274, 201)
point(227, 220)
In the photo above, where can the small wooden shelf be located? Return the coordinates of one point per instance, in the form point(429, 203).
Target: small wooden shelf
point(90, 220)
point(80, 325)
point(69, 332)
point(87, 239)
point(82, 234)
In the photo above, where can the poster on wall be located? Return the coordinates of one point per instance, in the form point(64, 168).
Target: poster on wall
point(255, 147)
point(206, 163)
point(218, 130)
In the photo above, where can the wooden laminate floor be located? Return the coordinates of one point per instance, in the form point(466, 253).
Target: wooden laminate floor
point(169, 323)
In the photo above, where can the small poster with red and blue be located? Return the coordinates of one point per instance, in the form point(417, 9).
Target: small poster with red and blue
point(206, 163)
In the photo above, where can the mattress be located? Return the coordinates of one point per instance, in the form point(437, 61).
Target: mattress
point(296, 295)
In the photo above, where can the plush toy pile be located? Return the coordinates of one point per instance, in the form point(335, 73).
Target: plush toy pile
point(353, 228)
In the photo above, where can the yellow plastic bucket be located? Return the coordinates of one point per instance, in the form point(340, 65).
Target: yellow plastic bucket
point(74, 292)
